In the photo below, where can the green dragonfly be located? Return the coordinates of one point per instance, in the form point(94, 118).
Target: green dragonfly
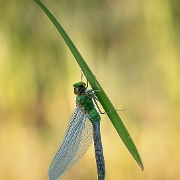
point(83, 128)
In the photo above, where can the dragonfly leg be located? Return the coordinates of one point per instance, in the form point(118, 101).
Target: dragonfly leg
point(95, 101)
point(98, 151)
point(91, 93)
point(85, 74)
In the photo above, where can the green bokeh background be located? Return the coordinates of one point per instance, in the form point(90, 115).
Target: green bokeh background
point(133, 48)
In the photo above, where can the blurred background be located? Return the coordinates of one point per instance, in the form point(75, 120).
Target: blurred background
point(132, 47)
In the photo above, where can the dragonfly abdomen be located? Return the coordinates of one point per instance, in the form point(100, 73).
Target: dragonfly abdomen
point(94, 115)
point(98, 151)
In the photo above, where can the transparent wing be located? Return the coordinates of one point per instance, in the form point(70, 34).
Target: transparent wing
point(78, 138)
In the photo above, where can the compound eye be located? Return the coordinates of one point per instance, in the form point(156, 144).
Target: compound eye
point(78, 90)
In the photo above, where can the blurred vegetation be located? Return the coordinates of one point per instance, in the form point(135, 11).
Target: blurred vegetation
point(133, 47)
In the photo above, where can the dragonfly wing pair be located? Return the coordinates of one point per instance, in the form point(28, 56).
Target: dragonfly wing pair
point(77, 140)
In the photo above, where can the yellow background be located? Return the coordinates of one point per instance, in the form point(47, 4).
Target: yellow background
point(132, 47)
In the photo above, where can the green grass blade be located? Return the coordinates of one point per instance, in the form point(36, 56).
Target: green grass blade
point(103, 99)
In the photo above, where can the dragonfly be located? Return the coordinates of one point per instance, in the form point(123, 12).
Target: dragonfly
point(82, 130)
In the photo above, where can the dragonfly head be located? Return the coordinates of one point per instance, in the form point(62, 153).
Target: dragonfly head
point(79, 88)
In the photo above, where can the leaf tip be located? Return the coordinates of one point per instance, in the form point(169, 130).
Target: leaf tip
point(141, 166)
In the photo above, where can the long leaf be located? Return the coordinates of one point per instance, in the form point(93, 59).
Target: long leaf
point(103, 99)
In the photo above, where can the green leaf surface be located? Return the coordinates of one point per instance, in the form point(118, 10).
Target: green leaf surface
point(103, 99)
